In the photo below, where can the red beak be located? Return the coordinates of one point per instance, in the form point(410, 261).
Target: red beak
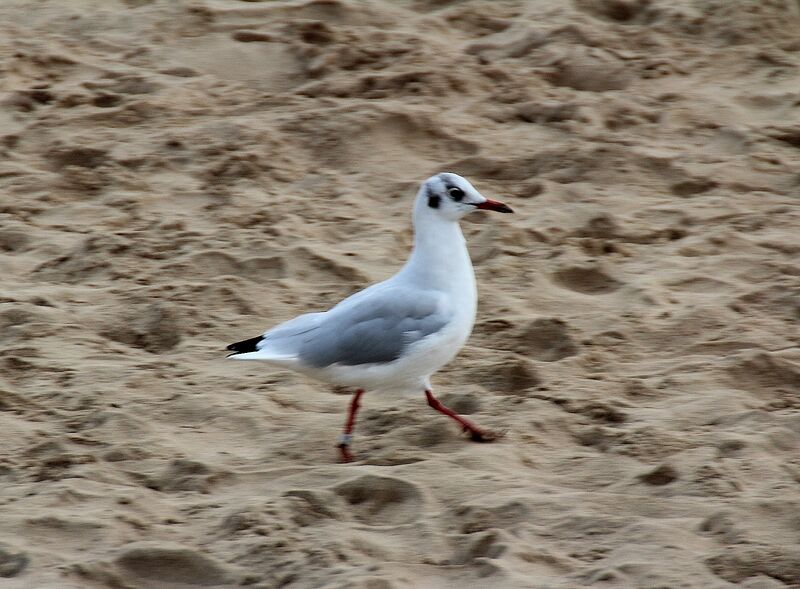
point(494, 205)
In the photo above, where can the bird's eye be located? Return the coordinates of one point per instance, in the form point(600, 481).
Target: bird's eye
point(455, 193)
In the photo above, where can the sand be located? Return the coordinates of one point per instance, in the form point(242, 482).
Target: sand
point(178, 175)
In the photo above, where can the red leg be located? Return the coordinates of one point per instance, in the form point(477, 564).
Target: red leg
point(347, 434)
point(475, 433)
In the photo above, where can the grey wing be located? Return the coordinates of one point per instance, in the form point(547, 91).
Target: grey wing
point(376, 328)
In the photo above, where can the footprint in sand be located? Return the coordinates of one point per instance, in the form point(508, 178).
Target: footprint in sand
point(480, 549)
point(738, 563)
point(184, 475)
point(768, 377)
point(478, 517)
point(380, 501)
point(12, 562)
point(512, 377)
point(621, 11)
point(159, 563)
point(585, 280)
point(154, 327)
point(546, 339)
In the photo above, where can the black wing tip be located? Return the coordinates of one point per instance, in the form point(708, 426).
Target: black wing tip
point(244, 346)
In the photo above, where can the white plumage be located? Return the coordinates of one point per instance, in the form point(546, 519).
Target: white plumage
point(395, 334)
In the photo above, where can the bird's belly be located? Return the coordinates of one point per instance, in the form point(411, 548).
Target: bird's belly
point(432, 353)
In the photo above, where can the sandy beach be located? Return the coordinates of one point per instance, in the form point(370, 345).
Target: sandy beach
point(176, 175)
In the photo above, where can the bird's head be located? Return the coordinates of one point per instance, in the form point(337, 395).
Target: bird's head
point(451, 197)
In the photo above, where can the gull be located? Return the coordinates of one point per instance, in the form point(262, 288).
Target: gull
point(393, 335)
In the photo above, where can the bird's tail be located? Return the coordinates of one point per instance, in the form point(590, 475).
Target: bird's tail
point(245, 346)
point(249, 349)
point(280, 344)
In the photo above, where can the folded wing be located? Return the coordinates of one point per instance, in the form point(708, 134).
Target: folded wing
point(374, 329)
point(359, 330)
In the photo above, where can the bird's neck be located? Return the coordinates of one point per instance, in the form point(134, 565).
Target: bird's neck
point(440, 258)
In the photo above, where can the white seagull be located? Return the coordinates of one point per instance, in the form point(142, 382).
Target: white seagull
point(395, 334)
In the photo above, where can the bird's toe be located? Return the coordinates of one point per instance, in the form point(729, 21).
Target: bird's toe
point(484, 435)
point(345, 456)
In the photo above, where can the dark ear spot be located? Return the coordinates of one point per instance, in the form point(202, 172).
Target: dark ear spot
point(433, 202)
